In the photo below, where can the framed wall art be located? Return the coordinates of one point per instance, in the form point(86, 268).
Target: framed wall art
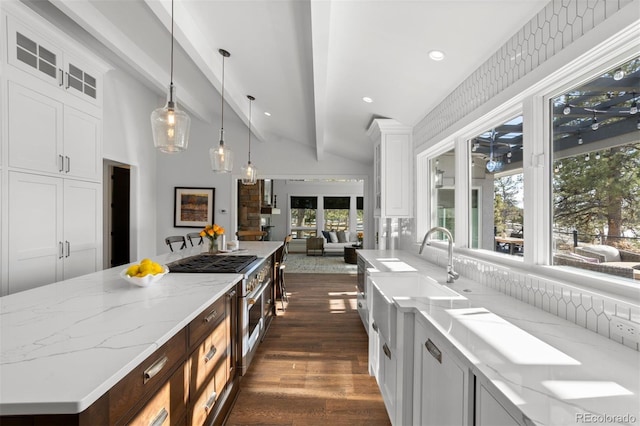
point(193, 207)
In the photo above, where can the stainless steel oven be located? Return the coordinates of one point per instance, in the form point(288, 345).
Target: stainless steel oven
point(255, 301)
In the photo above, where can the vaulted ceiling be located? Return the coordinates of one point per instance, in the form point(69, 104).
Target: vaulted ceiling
point(309, 63)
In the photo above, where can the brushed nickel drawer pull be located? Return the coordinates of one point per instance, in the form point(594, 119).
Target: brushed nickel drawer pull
point(209, 356)
point(210, 401)
point(155, 368)
point(386, 350)
point(211, 315)
point(374, 326)
point(160, 418)
point(433, 350)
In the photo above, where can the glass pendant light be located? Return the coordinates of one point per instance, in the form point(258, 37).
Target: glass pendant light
point(169, 125)
point(249, 171)
point(221, 156)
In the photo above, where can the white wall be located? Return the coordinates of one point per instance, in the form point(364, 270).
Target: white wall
point(127, 139)
point(275, 159)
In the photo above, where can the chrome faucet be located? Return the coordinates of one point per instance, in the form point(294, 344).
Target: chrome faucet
point(451, 274)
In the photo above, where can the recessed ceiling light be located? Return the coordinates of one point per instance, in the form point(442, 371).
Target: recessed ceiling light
point(267, 113)
point(436, 55)
point(367, 99)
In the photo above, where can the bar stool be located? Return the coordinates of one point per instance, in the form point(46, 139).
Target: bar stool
point(280, 271)
point(194, 236)
point(176, 239)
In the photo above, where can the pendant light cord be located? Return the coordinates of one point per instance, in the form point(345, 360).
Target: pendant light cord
point(172, 42)
point(250, 102)
point(222, 103)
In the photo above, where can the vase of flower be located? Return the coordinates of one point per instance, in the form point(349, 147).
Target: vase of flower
point(212, 232)
point(213, 246)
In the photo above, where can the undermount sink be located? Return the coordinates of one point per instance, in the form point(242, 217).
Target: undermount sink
point(412, 287)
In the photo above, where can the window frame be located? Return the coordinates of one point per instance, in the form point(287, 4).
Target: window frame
point(534, 105)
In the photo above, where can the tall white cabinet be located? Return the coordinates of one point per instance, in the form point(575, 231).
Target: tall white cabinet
point(52, 154)
point(393, 184)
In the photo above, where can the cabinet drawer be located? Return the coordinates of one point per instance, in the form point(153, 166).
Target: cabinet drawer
point(205, 402)
point(214, 350)
point(147, 377)
point(168, 405)
point(206, 322)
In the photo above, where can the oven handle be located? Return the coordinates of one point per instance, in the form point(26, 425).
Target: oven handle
point(257, 292)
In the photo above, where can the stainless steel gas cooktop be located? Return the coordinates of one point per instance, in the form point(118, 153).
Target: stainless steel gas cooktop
point(207, 263)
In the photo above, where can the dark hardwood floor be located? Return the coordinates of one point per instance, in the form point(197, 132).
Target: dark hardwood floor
point(311, 368)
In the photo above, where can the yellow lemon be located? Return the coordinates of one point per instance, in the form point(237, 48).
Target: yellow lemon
point(157, 268)
point(146, 269)
point(132, 270)
point(145, 260)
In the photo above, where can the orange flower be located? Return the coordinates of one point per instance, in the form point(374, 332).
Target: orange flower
point(212, 231)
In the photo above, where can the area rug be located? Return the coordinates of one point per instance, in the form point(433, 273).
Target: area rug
point(301, 263)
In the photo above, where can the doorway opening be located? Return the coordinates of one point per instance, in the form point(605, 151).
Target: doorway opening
point(117, 184)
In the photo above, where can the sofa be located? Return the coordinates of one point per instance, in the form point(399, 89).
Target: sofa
point(602, 258)
point(332, 242)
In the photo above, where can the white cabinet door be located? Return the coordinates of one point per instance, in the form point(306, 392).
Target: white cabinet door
point(393, 169)
point(81, 81)
point(81, 144)
point(388, 378)
point(32, 53)
point(489, 412)
point(82, 219)
point(441, 382)
point(35, 130)
point(35, 231)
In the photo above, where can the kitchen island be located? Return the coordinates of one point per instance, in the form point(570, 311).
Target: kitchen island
point(505, 361)
point(64, 346)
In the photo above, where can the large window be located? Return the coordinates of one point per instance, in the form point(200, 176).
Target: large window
point(596, 173)
point(497, 189)
point(336, 213)
point(303, 216)
point(443, 172)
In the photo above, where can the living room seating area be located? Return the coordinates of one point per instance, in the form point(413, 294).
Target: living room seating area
point(331, 242)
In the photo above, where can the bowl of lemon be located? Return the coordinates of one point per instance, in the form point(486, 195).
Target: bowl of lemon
point(145, 273)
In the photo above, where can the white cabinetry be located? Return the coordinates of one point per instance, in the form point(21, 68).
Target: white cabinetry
point(392, 168)
point(39, 56)
point(55, 229)
point(489, 412)
point(52, 138)
point(47, 136)
point(441, 381)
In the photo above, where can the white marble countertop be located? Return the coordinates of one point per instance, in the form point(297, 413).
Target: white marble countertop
point(547, 368)
point(64, 345)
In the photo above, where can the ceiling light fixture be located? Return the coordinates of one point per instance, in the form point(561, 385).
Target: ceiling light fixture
point(598, 155)
point(439, 176)
point(169, 125)
point(594, 123)
point(249, 172)
point(367, 99)
point(475, 146)
point(618, 74)
point(221, 156)
point(436, 55)
point(567, 109)
point(267, 113)
point(587, 157)
point(580, 140)
point(634, 105)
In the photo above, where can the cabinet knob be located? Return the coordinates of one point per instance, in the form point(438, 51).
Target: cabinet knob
point(209, 356)
point(433, 350)
point(160, 418)
point(155, 368)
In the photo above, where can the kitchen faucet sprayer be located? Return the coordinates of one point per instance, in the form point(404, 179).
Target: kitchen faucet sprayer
point(451, 274)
